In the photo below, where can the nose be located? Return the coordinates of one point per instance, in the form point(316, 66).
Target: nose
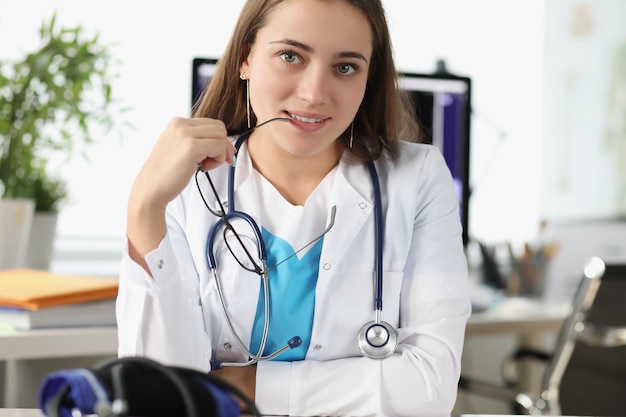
point(314, 85)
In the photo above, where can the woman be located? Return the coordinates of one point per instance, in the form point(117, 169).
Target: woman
point(324, 69)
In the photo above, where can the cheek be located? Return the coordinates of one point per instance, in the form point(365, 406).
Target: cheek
point(269, 88)
point(354, 96)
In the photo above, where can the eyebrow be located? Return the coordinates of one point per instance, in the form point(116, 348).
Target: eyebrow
point(309, 49)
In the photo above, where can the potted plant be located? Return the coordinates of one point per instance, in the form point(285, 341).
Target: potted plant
point(53, 102)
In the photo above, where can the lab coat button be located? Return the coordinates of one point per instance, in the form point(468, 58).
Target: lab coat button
point(317, 347)
point(160, 264)
point(228, 346)
point(362, 205)
point(327, 266)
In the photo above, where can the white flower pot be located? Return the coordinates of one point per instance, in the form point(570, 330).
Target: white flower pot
point(41, 241)
point(16, 217)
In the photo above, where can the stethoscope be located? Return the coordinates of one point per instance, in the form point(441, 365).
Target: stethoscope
point(377, 339)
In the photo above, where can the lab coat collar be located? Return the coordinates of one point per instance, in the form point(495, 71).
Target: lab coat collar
point(352, 182)
point(354, 174)
point(352, 195)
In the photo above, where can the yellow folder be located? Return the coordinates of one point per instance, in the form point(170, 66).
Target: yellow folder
point(33, 289)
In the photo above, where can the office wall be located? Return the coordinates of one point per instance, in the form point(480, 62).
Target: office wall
point(498, 44)
point(585, 129)
point(584, 171)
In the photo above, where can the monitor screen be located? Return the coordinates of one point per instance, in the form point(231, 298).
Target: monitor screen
point(442, 104)
point(202, 72)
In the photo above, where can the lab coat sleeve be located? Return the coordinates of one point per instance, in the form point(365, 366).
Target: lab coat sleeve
point(420, 378)
point(160, 316)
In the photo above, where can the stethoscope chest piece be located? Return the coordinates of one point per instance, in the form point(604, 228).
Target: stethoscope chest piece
point(377, 340)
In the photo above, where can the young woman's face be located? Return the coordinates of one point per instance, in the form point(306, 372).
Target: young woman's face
point(309, 63)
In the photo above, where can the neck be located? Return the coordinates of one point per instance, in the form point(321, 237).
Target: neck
point(295, 177)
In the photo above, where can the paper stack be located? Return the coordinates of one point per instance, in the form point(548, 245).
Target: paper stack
point(32, 299)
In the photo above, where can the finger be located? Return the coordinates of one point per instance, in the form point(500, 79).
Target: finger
point(205, 131)
point(216, 156)
point(205, 121)
point(205, 138)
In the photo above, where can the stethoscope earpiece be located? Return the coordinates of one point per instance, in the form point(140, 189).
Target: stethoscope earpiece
point(377, 340)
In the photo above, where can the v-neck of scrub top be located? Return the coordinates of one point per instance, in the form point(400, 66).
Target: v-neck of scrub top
point(287, 228)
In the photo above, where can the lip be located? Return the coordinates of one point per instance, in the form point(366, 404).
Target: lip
point(308, 122)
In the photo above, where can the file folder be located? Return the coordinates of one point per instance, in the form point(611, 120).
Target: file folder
point(35, 289)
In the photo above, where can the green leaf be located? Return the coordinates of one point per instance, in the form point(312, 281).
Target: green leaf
point(50, 104)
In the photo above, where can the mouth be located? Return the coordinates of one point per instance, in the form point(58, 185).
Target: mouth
point(307, 119)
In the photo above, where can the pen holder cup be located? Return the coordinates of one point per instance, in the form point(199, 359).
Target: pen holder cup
point(531, 277)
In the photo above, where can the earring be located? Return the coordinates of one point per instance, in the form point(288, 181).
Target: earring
point(351, 134)
point(243, 77)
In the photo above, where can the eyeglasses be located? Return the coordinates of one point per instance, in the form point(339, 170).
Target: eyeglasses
point(232, 239)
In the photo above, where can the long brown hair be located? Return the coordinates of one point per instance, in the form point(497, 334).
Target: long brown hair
point(384, 117)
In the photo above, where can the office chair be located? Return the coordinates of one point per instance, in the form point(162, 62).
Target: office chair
point(585, 374)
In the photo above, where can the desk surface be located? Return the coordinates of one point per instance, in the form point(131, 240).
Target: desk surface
point(20, 412)
point(526, 320)
point(57, 343)
point(519, 316)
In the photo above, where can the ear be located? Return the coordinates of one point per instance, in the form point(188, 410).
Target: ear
point(244, 68)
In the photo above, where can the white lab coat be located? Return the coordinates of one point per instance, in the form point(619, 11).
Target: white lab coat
point(176, 317)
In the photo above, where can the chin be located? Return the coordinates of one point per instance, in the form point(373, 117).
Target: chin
point(309, 148)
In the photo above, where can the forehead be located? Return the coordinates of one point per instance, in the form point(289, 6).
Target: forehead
point(328, 23)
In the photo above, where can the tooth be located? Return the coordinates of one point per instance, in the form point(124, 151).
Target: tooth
point(305, 119)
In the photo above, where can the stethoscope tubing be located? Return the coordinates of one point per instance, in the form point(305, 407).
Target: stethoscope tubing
point(378, 237)
point(220, 293)
point(378, 228)
point(233, 214)
point(369, 348)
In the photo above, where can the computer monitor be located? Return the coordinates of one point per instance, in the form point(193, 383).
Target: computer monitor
point(442, 104)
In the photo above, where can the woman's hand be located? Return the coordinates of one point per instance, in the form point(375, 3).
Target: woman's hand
point(184, 145)
point(243, 378)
